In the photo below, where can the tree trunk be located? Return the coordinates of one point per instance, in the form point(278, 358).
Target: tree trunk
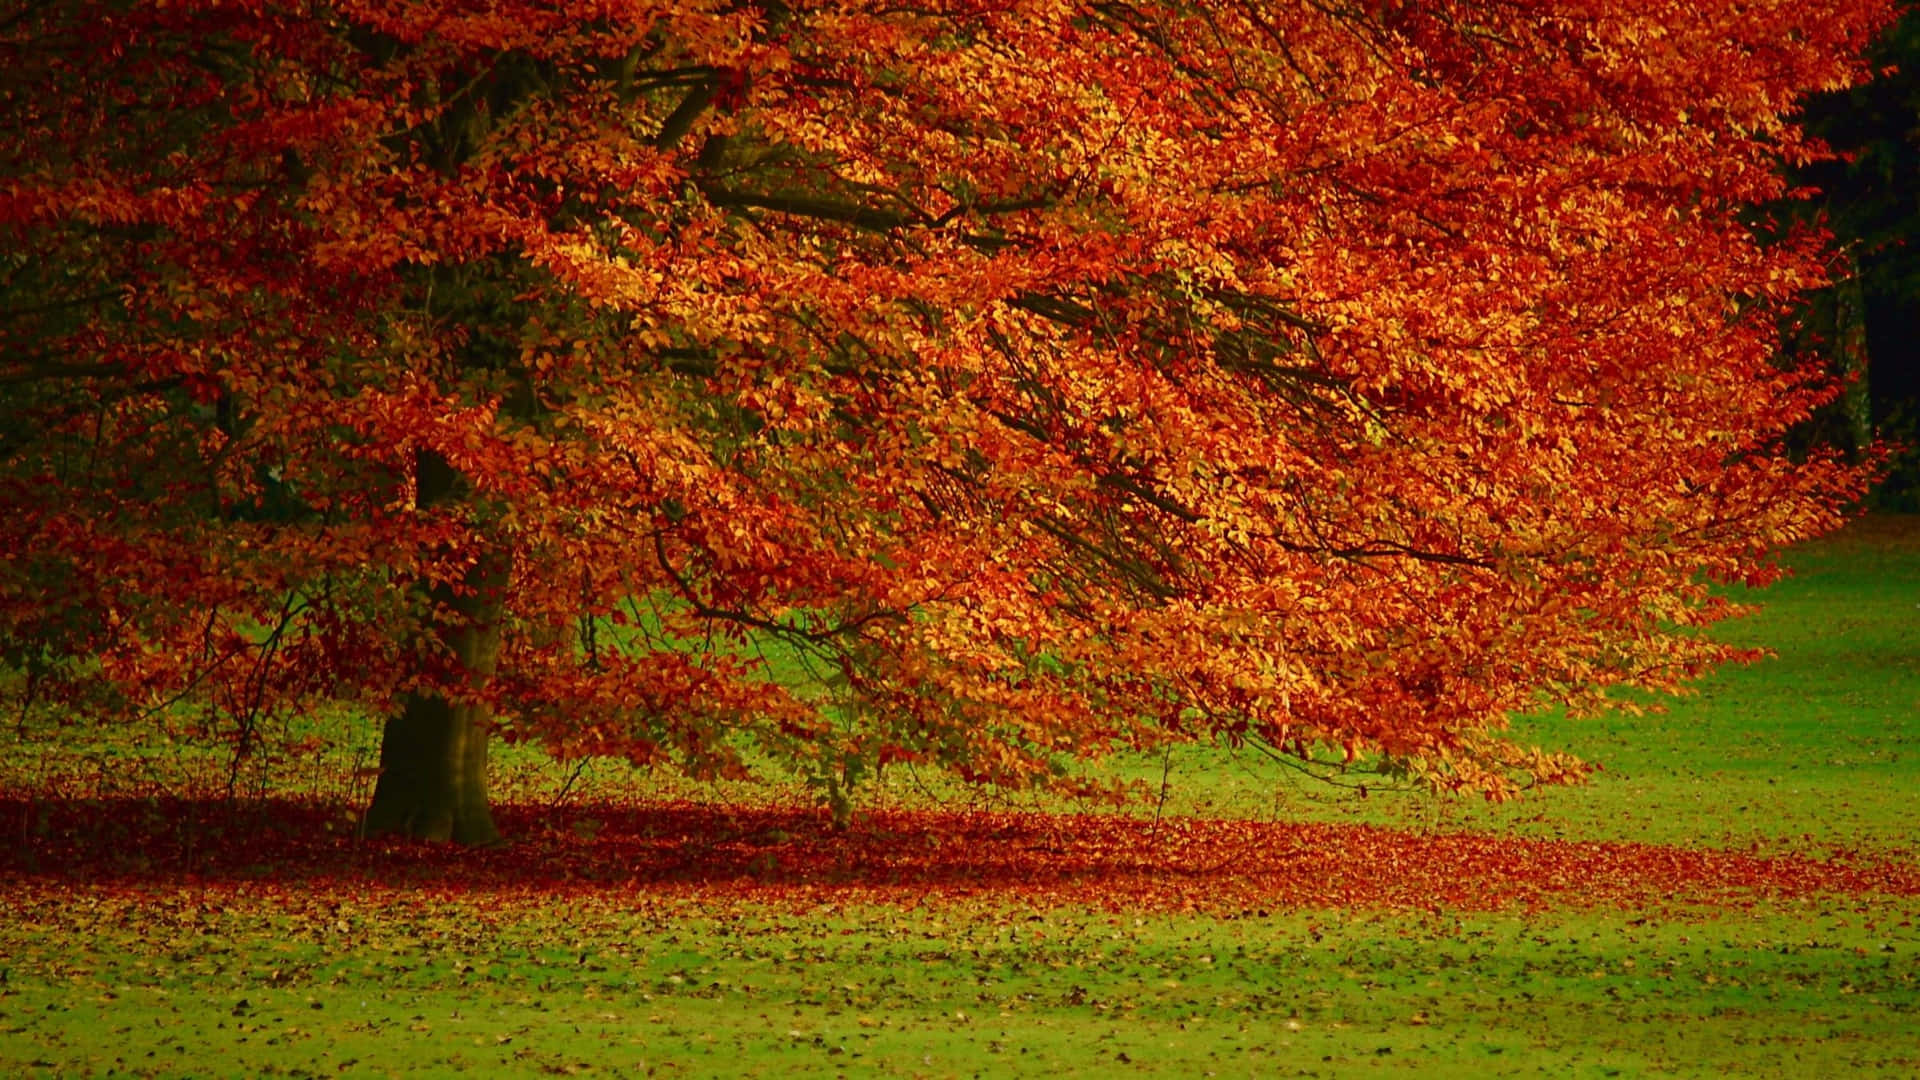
point(433, 774)
point(1850, 358)
point(433, 753)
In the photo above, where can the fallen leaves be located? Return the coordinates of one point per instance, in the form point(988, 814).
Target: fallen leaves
point(781, 854)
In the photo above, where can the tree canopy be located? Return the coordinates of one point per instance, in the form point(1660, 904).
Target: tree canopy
point(1049, 377)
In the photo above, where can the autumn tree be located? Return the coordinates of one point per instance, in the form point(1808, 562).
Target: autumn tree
point(1047, 378)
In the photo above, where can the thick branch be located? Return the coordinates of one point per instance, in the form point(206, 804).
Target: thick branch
point(679, 122)
point(822, 209)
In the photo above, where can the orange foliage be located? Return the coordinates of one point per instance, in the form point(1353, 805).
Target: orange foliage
point(1055, 377)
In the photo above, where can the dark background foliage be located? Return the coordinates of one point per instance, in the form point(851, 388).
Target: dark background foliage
point(1870, 198)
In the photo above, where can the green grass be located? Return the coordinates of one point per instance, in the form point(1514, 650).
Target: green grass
point(1813, 750)
point(664, 990)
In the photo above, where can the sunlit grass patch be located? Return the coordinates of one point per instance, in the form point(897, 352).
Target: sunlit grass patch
point(625, 986)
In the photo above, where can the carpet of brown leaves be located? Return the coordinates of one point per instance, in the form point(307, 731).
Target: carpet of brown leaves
point(789, 855)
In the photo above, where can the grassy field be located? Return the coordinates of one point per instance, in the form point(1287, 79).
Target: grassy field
point(670, 990)
point(1387, 936)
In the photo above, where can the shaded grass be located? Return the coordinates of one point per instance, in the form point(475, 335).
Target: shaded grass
point(791, 856)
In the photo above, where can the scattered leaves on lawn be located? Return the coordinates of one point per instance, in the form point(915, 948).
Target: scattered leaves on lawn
point(1112, 862)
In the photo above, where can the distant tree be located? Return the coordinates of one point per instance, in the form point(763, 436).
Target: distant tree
point(1048, 377)
point(1870, 197)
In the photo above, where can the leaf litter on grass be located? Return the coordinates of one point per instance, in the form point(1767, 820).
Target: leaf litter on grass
point(194, 938)
point(777, 853)
point(198, 981)
point(683, 939)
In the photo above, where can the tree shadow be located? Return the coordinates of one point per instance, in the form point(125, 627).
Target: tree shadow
point(903, 856)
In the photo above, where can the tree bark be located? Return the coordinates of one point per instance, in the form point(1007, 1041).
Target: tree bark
point(433, 753)
point(1850, 358)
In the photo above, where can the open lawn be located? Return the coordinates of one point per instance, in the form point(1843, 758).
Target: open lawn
point(1734, 895)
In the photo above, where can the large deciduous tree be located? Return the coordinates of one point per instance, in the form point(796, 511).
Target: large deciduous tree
point(1050, 377)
